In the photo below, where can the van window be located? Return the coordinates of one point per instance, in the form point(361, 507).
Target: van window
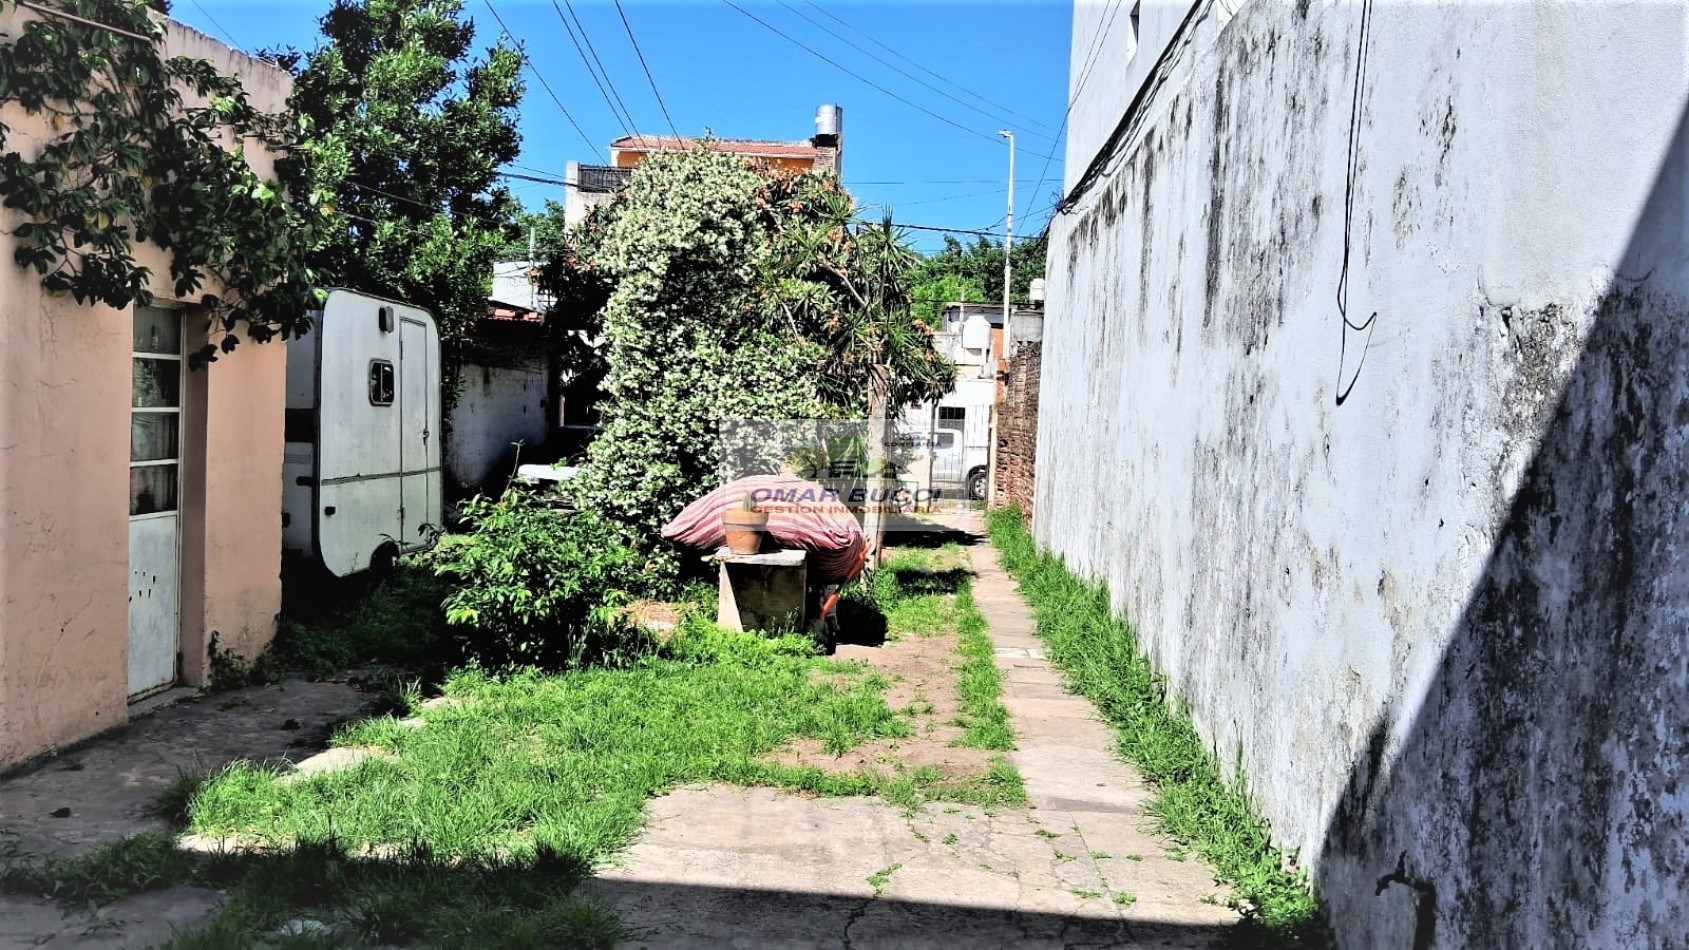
point(944, 440)
point(380, 383)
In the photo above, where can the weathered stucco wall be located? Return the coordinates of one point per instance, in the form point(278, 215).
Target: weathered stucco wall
point(504, 400)
point(1442, 621)
point(65, 386)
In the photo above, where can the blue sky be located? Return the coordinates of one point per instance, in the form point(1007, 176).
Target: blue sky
point(935, 159)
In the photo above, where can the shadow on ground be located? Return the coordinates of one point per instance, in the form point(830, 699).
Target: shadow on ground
point(239, 899)
point(679, 915)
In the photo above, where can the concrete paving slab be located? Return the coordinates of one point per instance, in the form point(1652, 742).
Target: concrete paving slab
point(109, 783)
point(728, 867)
point(144, 920)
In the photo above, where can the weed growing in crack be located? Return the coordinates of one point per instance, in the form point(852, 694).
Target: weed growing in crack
point(879, 879)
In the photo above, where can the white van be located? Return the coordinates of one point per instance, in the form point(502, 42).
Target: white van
point(362, 478)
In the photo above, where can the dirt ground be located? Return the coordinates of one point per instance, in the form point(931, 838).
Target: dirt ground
point(922, 674)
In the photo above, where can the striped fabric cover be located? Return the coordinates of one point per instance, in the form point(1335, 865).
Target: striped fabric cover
point(799, 517)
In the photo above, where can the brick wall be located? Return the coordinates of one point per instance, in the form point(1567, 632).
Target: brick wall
point(1018, 429)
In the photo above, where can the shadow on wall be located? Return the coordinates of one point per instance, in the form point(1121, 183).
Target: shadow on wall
point(1538, 797)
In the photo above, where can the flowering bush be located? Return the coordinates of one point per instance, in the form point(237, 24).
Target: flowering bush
point(730, 294)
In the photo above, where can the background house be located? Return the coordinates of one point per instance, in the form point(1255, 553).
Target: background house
point(971, 336)
point(142, 501)
point(592, 185)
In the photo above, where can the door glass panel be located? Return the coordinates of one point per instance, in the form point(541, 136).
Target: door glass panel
point(153, 436)
point(158, 384)
point(158, 331)
point(152, 489)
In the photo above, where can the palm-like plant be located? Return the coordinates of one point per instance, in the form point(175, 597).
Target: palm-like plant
point(844, 283)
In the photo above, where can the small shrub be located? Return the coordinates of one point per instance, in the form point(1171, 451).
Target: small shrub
point(538, 585)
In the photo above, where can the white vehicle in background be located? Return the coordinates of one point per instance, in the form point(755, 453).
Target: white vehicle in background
point(362, 478)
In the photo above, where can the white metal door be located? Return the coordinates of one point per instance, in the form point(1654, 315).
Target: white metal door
point(155, 524)
point(416, 436)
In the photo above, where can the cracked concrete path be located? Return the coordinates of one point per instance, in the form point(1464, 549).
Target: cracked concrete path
point(102, 791)
point(727, 867)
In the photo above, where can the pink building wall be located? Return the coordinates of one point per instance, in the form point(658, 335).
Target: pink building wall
point(65, 379)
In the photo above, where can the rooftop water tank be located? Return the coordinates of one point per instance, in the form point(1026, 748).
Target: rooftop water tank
point(829, 121)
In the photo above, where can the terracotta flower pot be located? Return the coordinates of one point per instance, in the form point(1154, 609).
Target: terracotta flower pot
point(744, 530)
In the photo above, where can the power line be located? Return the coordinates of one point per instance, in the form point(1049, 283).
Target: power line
point(587, 39)
point(220, 27)
point(917, 64)
point(928, 227)
point(642, 65)
point(537, 75)
point(858, 76)
point(626, 130)
point(923, 201)
point(996, 117)
point(536, 180)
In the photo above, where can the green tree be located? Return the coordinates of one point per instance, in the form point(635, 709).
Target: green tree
point(543, 230)
point(976, 270)
point(846, 285)
point(410, 129)
point(688, 338)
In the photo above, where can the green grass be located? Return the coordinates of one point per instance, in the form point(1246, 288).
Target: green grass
point(926, 592)
point(1194, 804)
point(475, 828)
point(979, 684)
point(564, 761)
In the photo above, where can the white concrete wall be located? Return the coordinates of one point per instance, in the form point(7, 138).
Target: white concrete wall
point(1442, 622)
point(499, 405)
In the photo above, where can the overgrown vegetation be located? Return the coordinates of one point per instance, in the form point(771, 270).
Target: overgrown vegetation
point(984, 718)
point(537, 585)
point(475, 815)
point(518, 763)
point(1099, 656)
point(974, 273)
point(725, 293)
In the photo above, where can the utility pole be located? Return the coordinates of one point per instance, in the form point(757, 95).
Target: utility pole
point(1008, 335)
point(1009, 247)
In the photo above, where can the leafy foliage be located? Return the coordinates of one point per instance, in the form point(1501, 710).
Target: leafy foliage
point(537, 585)
point(724, 293)
point(141, 154)
point(409, 133)
point(543, 231)
point(689, 339)
point(974, 273)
